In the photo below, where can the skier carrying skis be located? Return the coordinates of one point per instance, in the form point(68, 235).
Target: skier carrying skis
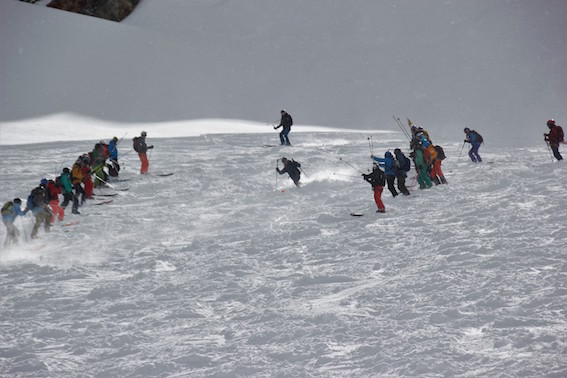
point(291, 167)
point(377, 180)
point(10, 211)
point(475, 139)
point(141, 148)
point(286, 123)
point(554, 137)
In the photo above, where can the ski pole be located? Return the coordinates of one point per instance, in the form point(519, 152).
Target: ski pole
point(461, 152)
point(401, 126)
point(371, 145)
point(277, 167)
point(342, 175)
point(24, 229)
point(550, 151)
point(349, 164)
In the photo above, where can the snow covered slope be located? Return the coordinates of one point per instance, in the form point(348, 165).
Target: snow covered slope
point(227, 269)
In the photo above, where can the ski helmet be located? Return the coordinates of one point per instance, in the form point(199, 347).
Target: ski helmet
point(466, 130)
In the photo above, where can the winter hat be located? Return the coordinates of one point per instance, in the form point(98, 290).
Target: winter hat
point(551, 122)
point(467, 130)
point(43, 182)
point(17, 200)
point(66, 170)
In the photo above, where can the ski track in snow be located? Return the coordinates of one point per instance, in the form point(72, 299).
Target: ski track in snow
point(227, 269)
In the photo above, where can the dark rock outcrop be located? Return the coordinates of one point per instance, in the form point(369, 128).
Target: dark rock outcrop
point(114, 10)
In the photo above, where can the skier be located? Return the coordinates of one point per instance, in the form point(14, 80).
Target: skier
point(10, 211)
point(141, 148)
point(387, 163)
point(554, 137)
point(286, 123)
point(436, 173)
point(37, 203)
point(377, 180)
point(66, 187)
point(53, 190)
point(98, 164)
point(421, 166)
point(475, 139)
point(77, 180)
point(401, 166)
point(291, 167)
point(114, 167)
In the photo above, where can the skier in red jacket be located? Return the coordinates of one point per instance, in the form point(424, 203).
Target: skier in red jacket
point(554, 137)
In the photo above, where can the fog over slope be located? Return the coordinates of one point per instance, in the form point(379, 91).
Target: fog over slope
point(493, 65)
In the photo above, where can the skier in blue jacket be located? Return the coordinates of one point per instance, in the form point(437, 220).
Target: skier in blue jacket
point(387, 164)
point(13, 209)
point(475, 140)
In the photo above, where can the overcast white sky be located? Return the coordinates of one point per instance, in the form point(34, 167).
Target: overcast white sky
point(496, 66)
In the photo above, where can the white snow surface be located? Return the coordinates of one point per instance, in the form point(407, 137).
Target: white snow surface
point(227, 269)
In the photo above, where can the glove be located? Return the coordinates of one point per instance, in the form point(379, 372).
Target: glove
point(275, 128)
point(371, 156)
point(150, 147)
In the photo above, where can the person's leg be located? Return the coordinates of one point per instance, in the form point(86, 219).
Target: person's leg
point(378, 199)
point(402, 185)
point(555, 149)
point(390, 180)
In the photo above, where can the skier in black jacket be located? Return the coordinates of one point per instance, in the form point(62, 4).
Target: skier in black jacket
point(291, 167)
point(286, 123)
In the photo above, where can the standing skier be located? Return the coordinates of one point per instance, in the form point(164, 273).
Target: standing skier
point(387, 162)
point(377, 180)
point(401, 165)
point(286, 123)
point(475, 139)
point(141, 148)
point(554, 137)
point(291, 167)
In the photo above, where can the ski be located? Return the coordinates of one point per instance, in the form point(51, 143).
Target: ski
point(106, 195)
point(356, 214)
point(71, 223)
point(102, 202)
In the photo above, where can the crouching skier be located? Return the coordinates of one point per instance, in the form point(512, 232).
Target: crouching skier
point(291, 167)
point(377, 179)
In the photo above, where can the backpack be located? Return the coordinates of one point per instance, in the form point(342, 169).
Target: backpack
point(440, 153)
point(58, 181)
point(561, 135)
point(135, 141)
point(403, 166)
point(7, 208)
point(478, 136)
point(36, 198)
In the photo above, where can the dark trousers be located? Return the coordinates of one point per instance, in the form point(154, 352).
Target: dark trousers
point(402, 185)
point(390, 180)
point(283, 135)
point(555, 149)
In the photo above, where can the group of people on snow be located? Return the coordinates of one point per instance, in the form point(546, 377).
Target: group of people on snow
point(393, 169)
point(76, 185)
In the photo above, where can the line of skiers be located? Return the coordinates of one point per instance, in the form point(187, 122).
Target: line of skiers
point(393, 168)
point(76, 185)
